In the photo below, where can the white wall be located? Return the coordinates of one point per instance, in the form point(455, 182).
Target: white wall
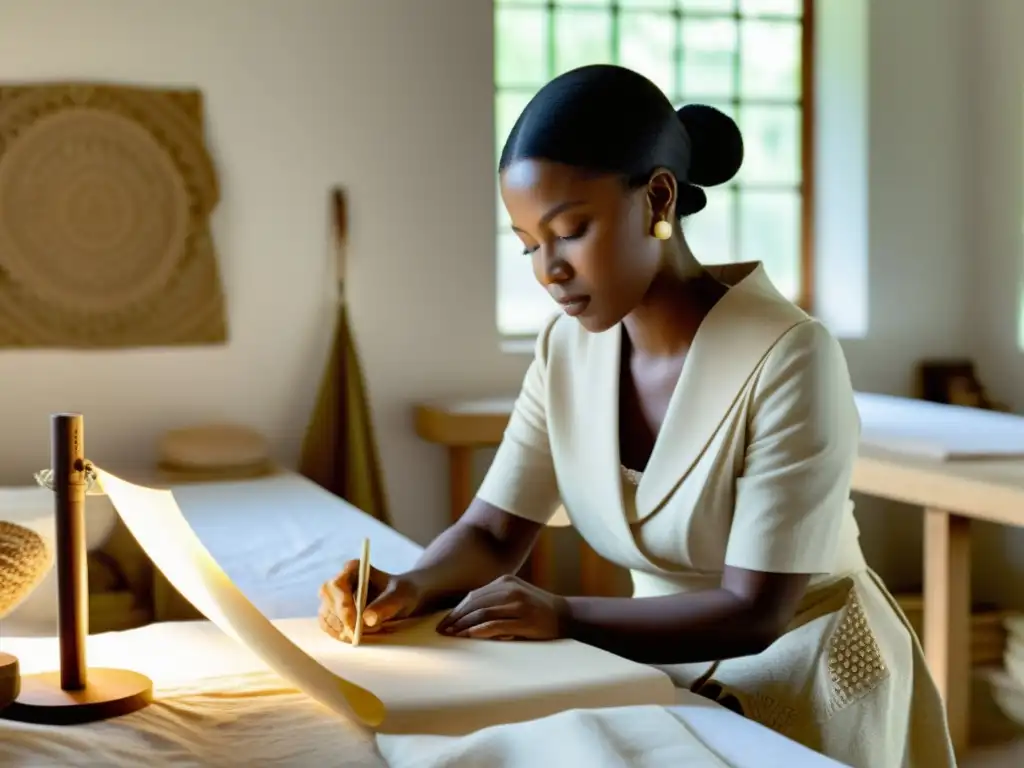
point(393, 99)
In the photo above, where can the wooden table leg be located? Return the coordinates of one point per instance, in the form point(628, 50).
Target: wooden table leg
point(947, 615)
point(460, 479)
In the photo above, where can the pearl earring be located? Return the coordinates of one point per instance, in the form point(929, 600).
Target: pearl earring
point(663, 230)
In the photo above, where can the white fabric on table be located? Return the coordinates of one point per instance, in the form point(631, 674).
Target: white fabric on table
point(280, 538)
point(743, 743)
point(235, 723)
point(697, 733)
point(637, 737)
point(219, 706)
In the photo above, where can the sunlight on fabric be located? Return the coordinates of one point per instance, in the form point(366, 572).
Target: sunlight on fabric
point(157, 523)
point(412, 680)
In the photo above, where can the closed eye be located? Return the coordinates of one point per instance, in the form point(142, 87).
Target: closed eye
point(576, 234)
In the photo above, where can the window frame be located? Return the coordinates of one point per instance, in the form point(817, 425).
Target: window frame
point(806, 102)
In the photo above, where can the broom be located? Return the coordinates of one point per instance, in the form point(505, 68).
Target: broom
point(339, 451)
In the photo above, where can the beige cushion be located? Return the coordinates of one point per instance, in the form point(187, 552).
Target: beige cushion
point(176, 475)
point(213, 447)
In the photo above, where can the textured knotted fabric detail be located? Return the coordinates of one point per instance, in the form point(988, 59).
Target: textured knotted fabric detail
point(24, 561)
point(105, 198)
point(855, 663)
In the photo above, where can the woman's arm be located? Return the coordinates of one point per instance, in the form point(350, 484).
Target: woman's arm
point(489, 542)
point(745, 615)
point(483, 545)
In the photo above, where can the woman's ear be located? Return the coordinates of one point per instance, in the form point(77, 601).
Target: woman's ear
point(661, 197)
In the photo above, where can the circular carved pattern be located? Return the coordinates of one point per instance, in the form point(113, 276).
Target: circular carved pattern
point(96, 213)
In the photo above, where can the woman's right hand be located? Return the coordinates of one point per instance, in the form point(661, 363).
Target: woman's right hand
point(388, 598)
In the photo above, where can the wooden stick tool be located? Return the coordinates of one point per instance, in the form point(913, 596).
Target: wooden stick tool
point(362, 589)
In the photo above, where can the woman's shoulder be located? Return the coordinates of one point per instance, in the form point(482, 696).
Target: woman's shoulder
point(806, 374)
point(807, 343)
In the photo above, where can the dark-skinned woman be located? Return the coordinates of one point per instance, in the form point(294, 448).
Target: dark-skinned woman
point(700, 431)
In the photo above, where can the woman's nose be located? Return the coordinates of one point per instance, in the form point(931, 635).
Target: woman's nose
point(553, 268)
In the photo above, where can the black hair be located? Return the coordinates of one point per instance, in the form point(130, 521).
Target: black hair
point(608, 119)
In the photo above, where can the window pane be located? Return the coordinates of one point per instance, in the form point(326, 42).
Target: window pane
point(770, 59)
point(708, 61)
point(523, 305)
point(770, 233)
point(582, 37)
point(500, 3)
point(508, 106)
point(709, 233)
point(771, 144)
point(588, 3)
point(647, 43)
point(726, 6)
point(793, 8)
point(521, 46)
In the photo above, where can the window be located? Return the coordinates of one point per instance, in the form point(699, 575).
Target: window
point(748, 58)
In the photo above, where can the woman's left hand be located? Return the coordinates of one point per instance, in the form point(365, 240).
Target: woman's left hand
point(508, 608)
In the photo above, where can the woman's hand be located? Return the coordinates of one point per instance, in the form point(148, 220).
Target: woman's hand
point(388, 597)
point(508, 608)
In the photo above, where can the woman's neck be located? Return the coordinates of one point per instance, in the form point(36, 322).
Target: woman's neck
point(666, 321)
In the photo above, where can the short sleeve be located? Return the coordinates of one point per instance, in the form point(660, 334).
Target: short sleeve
point(803, 433)
point(521, 479)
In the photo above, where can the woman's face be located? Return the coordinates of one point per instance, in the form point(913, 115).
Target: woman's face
point(589, 238)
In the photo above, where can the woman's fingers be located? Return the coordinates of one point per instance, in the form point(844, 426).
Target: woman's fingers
point(502, 629)
point(387, 605)
point(348, 578)
point(342, 605)
point(481, 615)
point(330, 624)
point(386, 599)
point(342, 591)
point(486, 597)
point(504, 609)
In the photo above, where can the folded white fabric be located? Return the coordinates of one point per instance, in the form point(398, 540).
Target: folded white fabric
point(621, 737)
point(229, 726)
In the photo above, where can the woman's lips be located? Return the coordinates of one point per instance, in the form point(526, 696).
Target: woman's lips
point(574, 305)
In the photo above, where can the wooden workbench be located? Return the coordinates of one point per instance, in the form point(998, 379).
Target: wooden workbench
point(951, 493)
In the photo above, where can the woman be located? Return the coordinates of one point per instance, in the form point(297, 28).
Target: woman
point(699, 429)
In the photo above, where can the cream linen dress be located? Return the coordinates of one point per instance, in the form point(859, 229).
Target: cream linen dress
point(751, 469)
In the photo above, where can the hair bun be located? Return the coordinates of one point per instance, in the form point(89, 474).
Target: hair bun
point(716, 145)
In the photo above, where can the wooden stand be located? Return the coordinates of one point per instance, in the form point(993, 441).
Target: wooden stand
point(10, 680)
point(75, 694)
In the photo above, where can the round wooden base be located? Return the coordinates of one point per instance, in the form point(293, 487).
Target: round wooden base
point(10, 681)
point(109, 693)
